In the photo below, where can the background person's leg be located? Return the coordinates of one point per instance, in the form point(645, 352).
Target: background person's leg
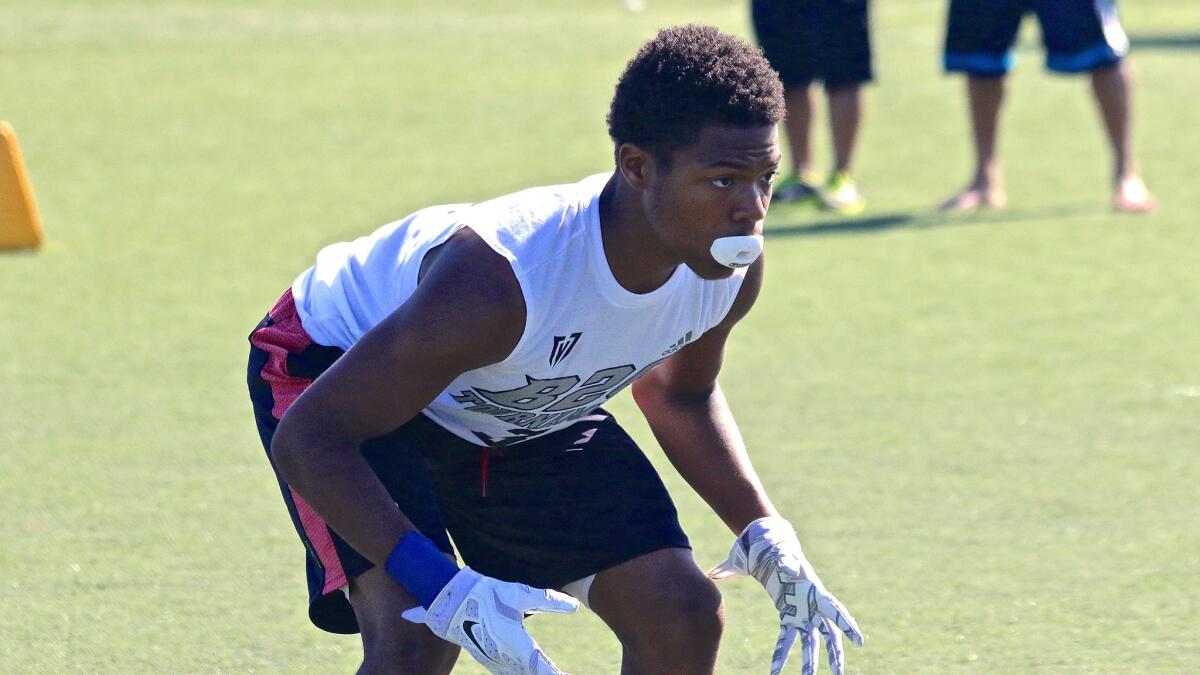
point(844, 65)
point(789, 41)
point(666, 613)
point(985, 95)
point(1088, 37)
point(845, 118)
point(800, 102)
point(800, 184)
point(1112, 86)
point(979, 39)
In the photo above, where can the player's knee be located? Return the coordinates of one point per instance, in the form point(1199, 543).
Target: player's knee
point(407, 653)
point(692, 614)
point(702, 611)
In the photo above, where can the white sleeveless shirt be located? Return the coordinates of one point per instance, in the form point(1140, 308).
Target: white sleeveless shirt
point(586, 338)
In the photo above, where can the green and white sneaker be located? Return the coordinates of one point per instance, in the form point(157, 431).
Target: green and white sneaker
point(797, 189)
point(841, 195)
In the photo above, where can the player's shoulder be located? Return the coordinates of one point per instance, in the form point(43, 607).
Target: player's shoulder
point(547, 198)
point(533, 222)
point(466, 265)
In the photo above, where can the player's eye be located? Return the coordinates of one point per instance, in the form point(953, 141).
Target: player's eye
point(770, 177)
point(722, 181)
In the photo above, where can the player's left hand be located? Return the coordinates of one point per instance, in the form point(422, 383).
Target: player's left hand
point(769, 550)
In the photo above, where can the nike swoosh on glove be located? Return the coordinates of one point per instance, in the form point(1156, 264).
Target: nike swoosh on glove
point(485, 617)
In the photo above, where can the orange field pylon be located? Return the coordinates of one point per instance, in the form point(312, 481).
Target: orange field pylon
point(20, 225)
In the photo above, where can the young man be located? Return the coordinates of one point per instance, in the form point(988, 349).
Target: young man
point(446, 373)
point(827, 40)
point(1080, 36)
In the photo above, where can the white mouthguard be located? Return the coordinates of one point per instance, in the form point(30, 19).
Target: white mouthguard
point(737, 251)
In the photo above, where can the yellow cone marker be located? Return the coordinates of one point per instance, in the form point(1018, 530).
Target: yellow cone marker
point(20, 225)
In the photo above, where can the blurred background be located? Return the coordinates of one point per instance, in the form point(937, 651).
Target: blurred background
point(985, 426)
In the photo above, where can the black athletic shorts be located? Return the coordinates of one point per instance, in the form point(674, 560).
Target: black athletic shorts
point(806, 40)
point(545, 512)
point(1079, 35)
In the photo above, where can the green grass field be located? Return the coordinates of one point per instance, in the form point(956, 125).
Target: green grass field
point(986, 428)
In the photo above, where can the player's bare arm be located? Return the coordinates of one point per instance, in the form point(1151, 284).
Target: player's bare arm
point(387, 377)
point(691, 420)
point(468, 311)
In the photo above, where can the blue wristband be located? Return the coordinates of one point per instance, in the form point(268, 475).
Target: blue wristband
point(418, 565)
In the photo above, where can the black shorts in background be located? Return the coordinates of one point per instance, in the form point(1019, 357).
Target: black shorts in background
point(1079, 35)
point(544, 512)
point(807, 40)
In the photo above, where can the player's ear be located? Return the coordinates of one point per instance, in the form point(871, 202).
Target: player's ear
point(636, 165)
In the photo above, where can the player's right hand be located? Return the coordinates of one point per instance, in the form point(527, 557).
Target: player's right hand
point(485, 617)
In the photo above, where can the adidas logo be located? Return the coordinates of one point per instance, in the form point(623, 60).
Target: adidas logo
point(678, 344)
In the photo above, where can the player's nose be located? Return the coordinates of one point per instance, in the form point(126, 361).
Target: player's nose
point(750, 208)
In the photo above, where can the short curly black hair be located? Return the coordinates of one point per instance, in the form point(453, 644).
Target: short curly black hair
point(687, 78)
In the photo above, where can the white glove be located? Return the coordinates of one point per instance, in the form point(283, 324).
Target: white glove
point(484, 616)
point(769, 550)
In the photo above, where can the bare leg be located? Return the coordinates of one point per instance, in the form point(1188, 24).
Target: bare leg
point(845, 115)
point(666, 613)
point(985, 96)
point(799, 122)
point(392, 644)
point(1113, 87)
